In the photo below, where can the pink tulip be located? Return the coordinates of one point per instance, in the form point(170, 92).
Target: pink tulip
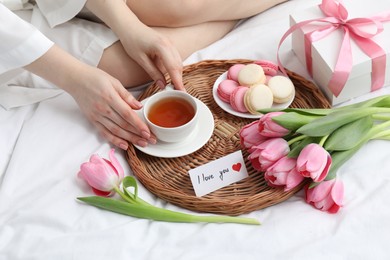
point(314, 162)
point(101, 174)
point(326, 196)
point(268, 152)
point(269, 128)
point(250, 136)
point(283, 173)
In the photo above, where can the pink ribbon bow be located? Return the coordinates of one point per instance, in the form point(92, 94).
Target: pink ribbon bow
point(359, 29)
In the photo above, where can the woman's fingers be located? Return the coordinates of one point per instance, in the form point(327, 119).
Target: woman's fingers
point(176, 74)
point(170, 60)
point(164, 62)
point(150, 67)
point(112, 109)
point(117, 136)
point(119, 132)
point(124, 123)
point(128, 118)
point(157, 56)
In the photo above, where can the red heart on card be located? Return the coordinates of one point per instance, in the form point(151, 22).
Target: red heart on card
point(236, 167)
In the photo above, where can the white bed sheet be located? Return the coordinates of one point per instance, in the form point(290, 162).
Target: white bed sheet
point(42, 146)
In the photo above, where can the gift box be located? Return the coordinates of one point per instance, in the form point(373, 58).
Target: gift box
point(325, 57)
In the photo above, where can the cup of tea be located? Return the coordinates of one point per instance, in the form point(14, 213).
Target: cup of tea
point(171, 115)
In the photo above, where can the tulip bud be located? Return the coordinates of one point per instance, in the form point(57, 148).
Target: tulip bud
point(283, 173)
point(101, 174)
point(326, 196)
point(250, 136)
point(314, 162)
point(269, 128)
point(268, 152)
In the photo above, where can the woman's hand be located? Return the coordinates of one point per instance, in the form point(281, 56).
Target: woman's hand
point(110, 107)
point(102, 98)
point(155, 54)
point(151, 50)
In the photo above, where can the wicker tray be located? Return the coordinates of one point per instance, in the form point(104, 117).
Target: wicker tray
point(168, 178)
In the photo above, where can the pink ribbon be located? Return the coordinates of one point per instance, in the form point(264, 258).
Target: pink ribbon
point(359, 29)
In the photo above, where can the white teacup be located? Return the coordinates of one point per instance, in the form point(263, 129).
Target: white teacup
point(171, 115)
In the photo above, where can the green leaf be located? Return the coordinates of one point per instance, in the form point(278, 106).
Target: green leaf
point(381, 101)
point(292, 120)
point(303, 111)
point(159, 214)
point(313, 184)
point(349, 135)
point(130, 182)
point(326, 125)
point(310, 111)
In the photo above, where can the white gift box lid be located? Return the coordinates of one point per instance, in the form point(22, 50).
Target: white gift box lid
point(325, 51)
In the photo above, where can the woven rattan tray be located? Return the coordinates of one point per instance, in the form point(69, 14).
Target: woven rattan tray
point(168, 178)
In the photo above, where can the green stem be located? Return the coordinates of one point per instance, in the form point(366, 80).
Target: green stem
point(382, 135)
point(296, 139)
point(377, 110)
point(323, 140)
point(387, 138)
point(329, 123)
point(160, 214)
point(378, 130)
point(382, 101)
point(128, 199)
point(123, 196)
point(382, 117)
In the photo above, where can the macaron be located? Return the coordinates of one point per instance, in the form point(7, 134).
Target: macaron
point(237, 99)
point(269, 67)
point(232, 72)
point(258, 97)
point(282, 88)
point(225, 89)
point(251, 74)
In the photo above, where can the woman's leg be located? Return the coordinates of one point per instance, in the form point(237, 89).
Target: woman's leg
point(177, 13)
point(187, 40)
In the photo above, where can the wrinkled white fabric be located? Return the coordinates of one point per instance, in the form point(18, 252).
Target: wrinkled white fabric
point(42, 146)
point(60, 11)
point(16, 96)
point(15, 5)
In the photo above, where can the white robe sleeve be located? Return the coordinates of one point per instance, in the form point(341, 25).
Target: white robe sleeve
point(16, 4)
point(59, 11)
point(21, 43)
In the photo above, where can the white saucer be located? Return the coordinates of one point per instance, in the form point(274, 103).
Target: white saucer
point(225, 106)
point(192, 143)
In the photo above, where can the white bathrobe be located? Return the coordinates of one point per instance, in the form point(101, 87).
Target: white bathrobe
point(29, 29)
point(22, 43)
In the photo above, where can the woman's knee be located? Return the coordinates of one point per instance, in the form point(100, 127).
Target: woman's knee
point(185, 12)
point(168, 13)
point(118, 64)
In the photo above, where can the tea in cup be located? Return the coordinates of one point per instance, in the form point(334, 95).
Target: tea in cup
point(171, 115)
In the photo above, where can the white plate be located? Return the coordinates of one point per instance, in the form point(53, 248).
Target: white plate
point(192, 143)
point(225, 106)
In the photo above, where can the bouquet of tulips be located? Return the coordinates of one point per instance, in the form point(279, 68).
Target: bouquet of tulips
point(295, 145)
point(106, 178)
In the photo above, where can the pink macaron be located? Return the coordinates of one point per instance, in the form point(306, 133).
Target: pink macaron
point(233, 71)
point(237, 99)
point(270, 68)
point(225, 89)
